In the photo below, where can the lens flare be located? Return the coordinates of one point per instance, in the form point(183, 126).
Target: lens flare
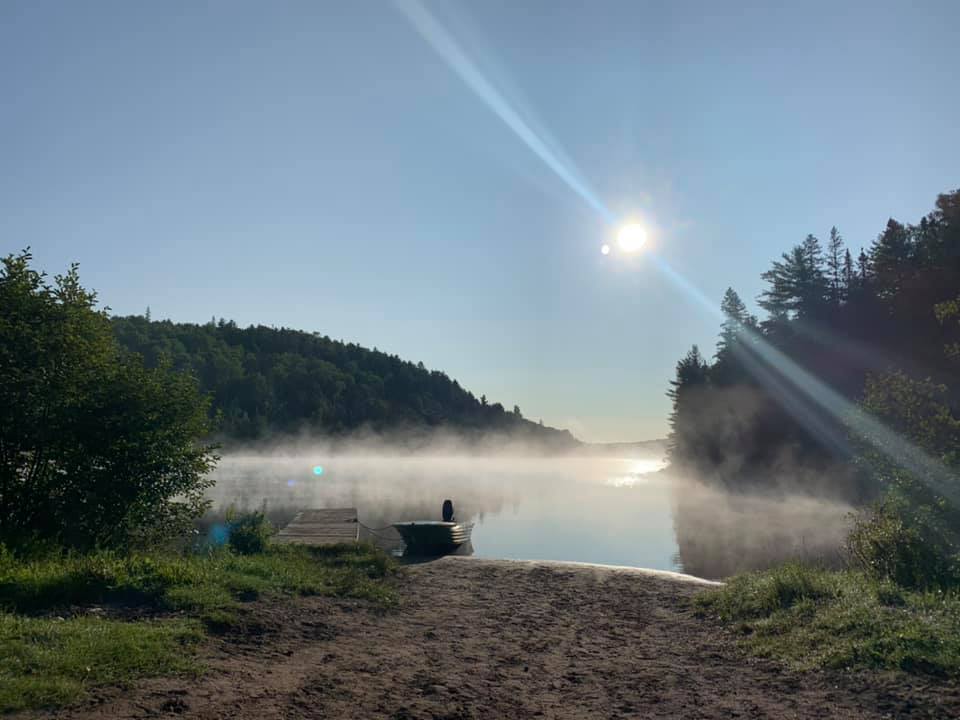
point(771, 366)
point(219, 535)
point(632, 238)
point(446, 46)
point(318, 470)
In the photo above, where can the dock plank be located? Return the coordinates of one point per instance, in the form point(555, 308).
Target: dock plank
point(322, 526)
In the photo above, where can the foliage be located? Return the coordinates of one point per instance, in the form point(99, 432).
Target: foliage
point(266, 380)
point(912, 534)
point(908, 541)
point(883, 328)
point(48, 660)
point(798, 282)
point(817, 618)
point(691, 374)
point(95, 449)
point(882, 332)
point(249, 532)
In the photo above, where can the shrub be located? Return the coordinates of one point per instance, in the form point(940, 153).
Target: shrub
point(910, 543)
point(98, 450)
point(249, 532)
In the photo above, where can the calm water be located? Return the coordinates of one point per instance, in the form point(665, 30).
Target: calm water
point(617, 511)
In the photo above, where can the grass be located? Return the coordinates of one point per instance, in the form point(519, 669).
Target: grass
point(47, 662)
point(811, 618)
point(52, 648)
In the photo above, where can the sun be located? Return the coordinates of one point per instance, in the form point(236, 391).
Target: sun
point(632, 238)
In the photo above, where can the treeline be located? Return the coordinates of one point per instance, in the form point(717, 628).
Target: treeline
point(874, 330)
point(266, 381)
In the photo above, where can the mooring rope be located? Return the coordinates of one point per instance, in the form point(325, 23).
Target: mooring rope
point(377, 531)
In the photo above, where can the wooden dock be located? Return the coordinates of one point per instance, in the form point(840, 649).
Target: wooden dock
point(322, 527)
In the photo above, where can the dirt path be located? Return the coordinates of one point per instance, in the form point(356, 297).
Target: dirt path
point(500, 639)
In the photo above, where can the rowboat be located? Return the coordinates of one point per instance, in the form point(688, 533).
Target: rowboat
point(433, 537)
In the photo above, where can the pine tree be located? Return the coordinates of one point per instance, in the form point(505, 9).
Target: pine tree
point(890, 255)
point(691, 372)
point(733, 333)
point(849, 277)
point(735, 320)
point(835, 267)
point(863, 267)
point(797, 285)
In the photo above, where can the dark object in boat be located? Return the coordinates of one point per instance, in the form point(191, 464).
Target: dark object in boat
point(433, 537)
point(448, 511)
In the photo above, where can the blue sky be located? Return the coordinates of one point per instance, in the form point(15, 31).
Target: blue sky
point(319, 166)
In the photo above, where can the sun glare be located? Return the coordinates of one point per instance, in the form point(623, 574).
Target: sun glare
point(632, 238)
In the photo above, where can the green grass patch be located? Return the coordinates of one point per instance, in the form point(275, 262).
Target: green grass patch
point(52, 648)
point(811, 617)
point(46, 662)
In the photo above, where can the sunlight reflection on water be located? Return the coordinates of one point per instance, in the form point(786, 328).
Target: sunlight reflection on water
point(639, 472)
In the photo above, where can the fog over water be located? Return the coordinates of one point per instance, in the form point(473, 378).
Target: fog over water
point(611, 510)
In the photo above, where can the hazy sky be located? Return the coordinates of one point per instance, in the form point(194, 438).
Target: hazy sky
point(318, 165)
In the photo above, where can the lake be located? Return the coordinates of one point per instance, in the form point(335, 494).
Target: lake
point(608, 510)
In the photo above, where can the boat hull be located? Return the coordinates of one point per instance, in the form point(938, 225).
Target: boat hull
point(431, 537)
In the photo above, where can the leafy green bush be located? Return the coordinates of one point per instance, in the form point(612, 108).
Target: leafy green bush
point(908, 540)
point(911, 536)
point(99, 451)
point(248, 532)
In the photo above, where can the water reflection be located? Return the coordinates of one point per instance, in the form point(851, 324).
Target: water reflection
point(618, 511)
point(640, 472)
point(720, 534)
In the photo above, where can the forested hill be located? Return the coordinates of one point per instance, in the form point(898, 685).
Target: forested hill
point(266, 381)
point(877, 327)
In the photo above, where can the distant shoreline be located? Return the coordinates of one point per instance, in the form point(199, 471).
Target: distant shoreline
point(439, 444)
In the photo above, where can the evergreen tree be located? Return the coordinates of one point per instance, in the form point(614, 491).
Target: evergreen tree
point(691, 373)
point(840, 317)
point(889, 258)
point(734, 331)
point(735, 319)
point(836, 267)
point(797, 285)
point(863, 267)
point(849, 277)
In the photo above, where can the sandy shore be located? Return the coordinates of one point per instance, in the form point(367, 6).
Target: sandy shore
point(507, 639)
